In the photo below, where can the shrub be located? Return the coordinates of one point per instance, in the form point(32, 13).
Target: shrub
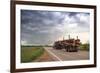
point(84, 47)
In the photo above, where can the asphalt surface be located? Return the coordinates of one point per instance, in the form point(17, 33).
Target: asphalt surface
point(62, 55)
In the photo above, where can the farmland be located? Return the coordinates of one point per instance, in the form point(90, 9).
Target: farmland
point(45, 54)
point(34, 54)
point(30, 53)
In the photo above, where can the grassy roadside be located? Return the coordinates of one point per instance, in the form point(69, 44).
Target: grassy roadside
point(29, 54)
point(84, 47)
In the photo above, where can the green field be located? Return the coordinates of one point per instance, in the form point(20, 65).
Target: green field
point(84, 47)
point(30, 53)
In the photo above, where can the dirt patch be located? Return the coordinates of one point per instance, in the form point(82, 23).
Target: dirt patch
point(45, 58)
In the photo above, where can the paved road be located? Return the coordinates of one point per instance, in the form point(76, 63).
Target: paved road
point(62, 55)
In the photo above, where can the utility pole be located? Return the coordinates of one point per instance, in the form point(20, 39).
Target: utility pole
point(69, 36)
point(63, 38)
point(77, 37)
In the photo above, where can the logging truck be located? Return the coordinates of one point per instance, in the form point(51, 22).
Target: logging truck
point(70, 45)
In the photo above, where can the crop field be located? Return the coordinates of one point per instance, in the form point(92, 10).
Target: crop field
point(30, 53)
point(45, 54)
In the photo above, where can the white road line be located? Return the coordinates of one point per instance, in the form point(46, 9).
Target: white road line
point(53, 54)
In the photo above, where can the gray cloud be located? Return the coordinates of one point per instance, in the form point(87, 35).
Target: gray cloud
point(43, 27)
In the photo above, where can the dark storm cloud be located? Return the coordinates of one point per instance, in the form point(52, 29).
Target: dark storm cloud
point(39, 17)
point(39, 27)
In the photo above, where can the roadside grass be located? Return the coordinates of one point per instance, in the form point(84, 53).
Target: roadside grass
point(30, 53)
point(84, 47)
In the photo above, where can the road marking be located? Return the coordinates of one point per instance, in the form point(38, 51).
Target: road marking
point(52, 54)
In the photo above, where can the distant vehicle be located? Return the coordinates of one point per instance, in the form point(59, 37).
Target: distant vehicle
point(70, 45)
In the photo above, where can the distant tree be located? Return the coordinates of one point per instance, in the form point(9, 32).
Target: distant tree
point(84, 46)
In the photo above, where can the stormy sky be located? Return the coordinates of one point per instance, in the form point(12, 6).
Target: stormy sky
point(45, 27)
